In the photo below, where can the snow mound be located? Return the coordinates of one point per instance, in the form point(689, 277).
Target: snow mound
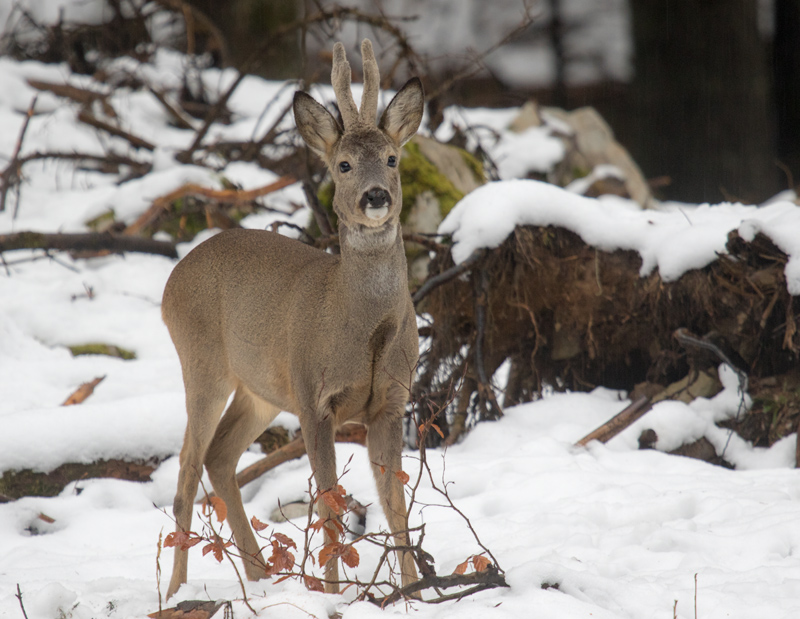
point(674, 239)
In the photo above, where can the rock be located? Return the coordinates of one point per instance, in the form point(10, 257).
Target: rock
point(589, 143)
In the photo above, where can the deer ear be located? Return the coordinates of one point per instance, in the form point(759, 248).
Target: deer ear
point(318, 128)
point(401, 119)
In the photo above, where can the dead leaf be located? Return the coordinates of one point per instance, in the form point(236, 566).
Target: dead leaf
point(313, 584)
point(257, 524)
point(461, 567)
point(219, 507)
point(480, 562)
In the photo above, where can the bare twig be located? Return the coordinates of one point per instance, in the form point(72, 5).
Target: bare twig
point(446, 276)
point(212, 115)
point(182, 119)
point(11, 176)
point(86, 117)
point(18, 595)
point(476, 63)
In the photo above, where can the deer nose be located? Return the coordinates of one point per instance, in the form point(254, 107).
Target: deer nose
point(375, 198)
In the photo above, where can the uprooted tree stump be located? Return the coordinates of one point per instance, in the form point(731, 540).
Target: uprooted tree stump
point(571, 316)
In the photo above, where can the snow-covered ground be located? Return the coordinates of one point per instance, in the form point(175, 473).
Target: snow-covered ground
point(622, 533)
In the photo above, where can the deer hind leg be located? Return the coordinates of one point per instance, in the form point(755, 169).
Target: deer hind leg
point(246, 418)
point(384, 445)
point(205, 401)
point(318, 435)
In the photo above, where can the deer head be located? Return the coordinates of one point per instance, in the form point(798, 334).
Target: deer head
point(362, 156)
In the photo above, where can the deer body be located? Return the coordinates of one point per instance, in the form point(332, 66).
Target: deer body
point(285, 326)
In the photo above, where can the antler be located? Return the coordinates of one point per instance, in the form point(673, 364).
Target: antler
point(340, 79)
point(369, 96)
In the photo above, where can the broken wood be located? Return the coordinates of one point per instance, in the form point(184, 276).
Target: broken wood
point(90, 119)
point(189, 609)
point(618, 423)
point(83, 392)
point(86, 241)
point(79, 95)
point(349, 433)
point(489, 578)
point(224, 196)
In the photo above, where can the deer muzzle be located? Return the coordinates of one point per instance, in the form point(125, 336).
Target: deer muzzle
point(375, 203)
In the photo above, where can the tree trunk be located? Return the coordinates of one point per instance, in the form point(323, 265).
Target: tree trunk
point(701, 99)
point(787, 85)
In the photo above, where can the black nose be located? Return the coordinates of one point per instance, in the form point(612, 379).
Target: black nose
point(375, 198)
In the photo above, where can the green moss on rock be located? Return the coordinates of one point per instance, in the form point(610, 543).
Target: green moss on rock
point(97, 348)
point(419, 175)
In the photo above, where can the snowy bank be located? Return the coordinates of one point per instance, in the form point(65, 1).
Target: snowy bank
point(674, 240)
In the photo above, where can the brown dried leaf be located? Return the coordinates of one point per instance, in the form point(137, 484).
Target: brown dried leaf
point(461, 567)
point(480, 562)
point(350, 556)
point(313, 584)
point(219, 507)
point(402, 476)
point(183, 539)
point(285, 540)
point(257, 524)
point(334, 498)
point(328, 552)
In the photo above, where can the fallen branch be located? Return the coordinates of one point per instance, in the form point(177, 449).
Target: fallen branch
point(487, 579)
point(182, 120)
point(618, 423)
point(87, 241)
point(224, 196)
point(90, 119)
point(83, 96)
point(292, 450)
point(11, 176)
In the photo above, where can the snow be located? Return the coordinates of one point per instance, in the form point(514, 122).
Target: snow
point(673, 240)
point(622, 532)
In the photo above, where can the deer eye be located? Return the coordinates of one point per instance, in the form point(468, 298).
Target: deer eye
point(344, 167)
point(392, 161)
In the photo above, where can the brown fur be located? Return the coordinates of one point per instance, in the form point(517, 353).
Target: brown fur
point(288, 327)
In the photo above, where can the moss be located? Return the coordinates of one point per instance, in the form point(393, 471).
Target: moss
point(102, 222)
point(185, 220)
point(475, 165)
point(419, 175)
point(25, 482)
point(97, 348)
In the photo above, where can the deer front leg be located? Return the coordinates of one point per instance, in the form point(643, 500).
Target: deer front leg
point(385, 444)
point(318, 435)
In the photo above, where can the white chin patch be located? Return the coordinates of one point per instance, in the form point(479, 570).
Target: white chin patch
point(377, 213)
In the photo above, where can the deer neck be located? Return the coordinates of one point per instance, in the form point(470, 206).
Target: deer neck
point(373, 267)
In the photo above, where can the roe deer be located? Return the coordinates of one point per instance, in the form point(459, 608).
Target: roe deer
point(284, 326)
